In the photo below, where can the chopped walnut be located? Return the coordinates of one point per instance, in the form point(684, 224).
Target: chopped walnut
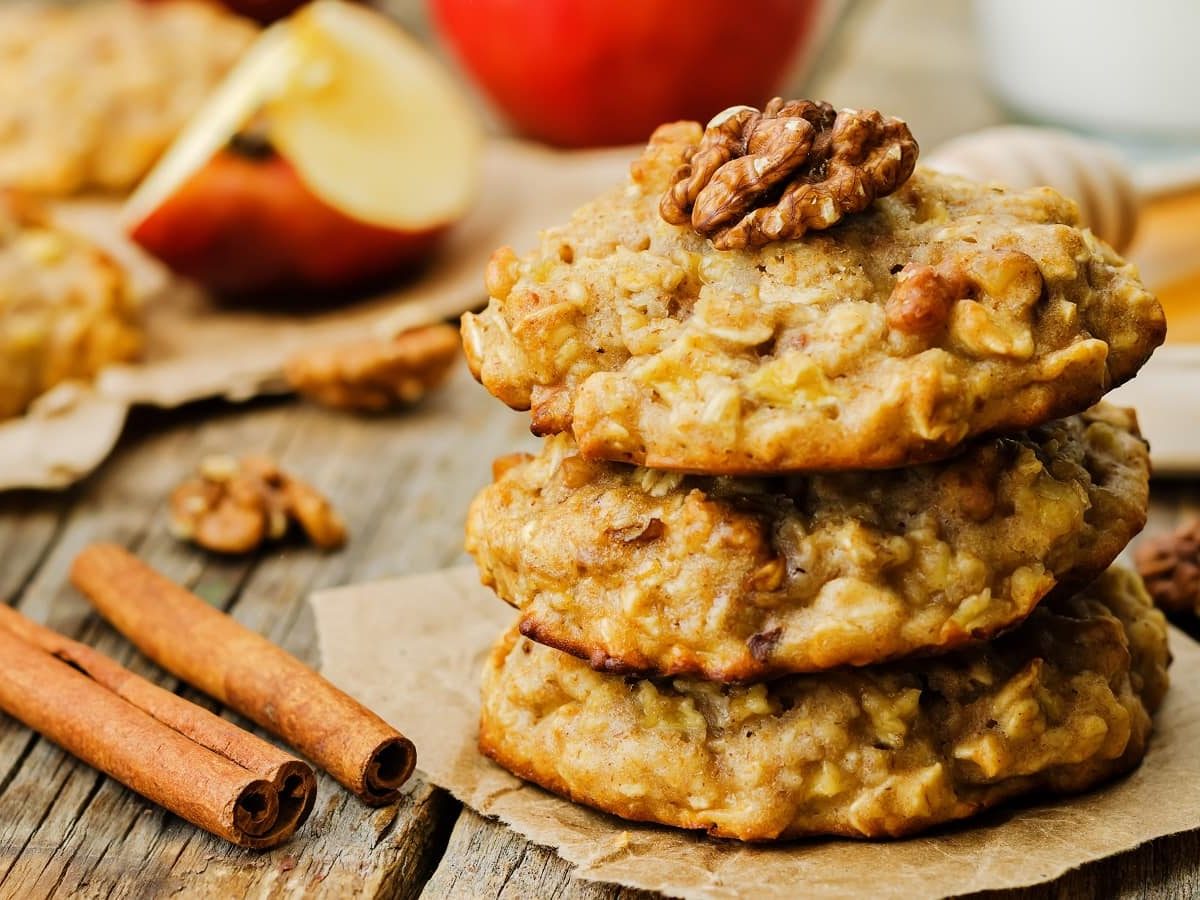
point(920, 302)
point(799, 166)
point(376, 374)
point(503, 464)
point(1170, 566)
point(985, 298)
point(234, 507)
point(639, 532)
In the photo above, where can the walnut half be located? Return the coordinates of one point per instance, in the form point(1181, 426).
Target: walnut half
point(1170, 565)
point(795, 167)
point(235, 506)
point(921, 300)
point(375, 374)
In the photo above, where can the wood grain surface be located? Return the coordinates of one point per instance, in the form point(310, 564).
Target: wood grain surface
point(403, 483)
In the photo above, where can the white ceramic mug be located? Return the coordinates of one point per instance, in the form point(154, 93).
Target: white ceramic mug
point(1117, 66)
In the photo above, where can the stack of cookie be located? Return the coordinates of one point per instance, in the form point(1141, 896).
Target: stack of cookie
point(818, 540)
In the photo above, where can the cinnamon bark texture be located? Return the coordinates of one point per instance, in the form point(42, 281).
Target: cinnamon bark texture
point(195, 764)
point(246, 672)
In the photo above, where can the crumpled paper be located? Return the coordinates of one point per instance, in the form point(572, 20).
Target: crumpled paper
point(413, 649)
point(197, 349)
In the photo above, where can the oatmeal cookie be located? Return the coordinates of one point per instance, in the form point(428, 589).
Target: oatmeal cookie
point(736, 579)
point(91, 94)
point(65, 307)
point(1058, 705)
point(945, 310)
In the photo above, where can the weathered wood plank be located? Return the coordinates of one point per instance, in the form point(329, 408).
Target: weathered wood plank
point(65, 830)
point(29, 524)
point(485, 859)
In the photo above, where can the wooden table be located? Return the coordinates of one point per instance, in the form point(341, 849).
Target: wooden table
point(403, 483)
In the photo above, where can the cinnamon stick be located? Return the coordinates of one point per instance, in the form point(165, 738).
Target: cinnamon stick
point(182, 757)
point(245, 671)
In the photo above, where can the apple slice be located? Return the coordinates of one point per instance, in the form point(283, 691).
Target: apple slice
point(364, 152)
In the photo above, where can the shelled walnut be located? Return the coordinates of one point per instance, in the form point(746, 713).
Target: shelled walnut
point(1170, 565)
point(234, 506)
point(795, 167)
point(375, 374)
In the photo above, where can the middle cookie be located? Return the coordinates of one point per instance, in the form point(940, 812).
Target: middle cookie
point(738, 579)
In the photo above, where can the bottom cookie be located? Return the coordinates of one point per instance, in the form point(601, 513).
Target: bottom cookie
point(1058, 705)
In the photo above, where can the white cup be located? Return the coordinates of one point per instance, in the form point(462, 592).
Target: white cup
point(1124, 67)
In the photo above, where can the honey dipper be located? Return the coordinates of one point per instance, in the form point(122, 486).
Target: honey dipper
point(1085, 170)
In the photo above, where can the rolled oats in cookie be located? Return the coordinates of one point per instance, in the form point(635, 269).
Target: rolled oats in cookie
point(738, 579)
point(868, 335)
point(66, 309)
point(91, 94)
point(1058, 705)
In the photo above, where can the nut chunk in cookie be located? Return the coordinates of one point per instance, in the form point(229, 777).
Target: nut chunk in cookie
point(66, 308)
point(1058, 705)
point(738, 579)
point(779, 293)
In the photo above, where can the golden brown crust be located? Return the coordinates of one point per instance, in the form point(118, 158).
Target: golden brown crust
point(375, 374)
point(66, 308)
point(1056, 706)
point(652, 347)
point(741, 579)
point(91, 94)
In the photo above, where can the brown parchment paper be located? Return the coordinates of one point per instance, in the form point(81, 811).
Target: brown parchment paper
point(197, 349)
point(412, 649)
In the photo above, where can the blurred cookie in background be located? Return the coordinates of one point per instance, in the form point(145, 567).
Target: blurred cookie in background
point(65, 307)
point(92, 94)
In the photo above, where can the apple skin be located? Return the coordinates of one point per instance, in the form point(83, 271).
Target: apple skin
point(262, 11)
point(580, 73)
point(247, 225)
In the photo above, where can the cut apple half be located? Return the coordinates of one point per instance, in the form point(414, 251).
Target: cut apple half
point(366, 96)
point(367, 121)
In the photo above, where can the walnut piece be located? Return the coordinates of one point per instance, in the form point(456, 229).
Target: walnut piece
point(795, 167)
point(234, 507)
point(375, 374)
point(1170, 565)
point(920, 302)
point(507, 462)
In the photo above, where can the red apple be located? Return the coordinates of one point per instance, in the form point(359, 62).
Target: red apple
point(246, 224)
point(364, 155)
point(590, 72)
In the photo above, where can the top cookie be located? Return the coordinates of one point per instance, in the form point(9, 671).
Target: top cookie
point(945, 310)
point(92, 94)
